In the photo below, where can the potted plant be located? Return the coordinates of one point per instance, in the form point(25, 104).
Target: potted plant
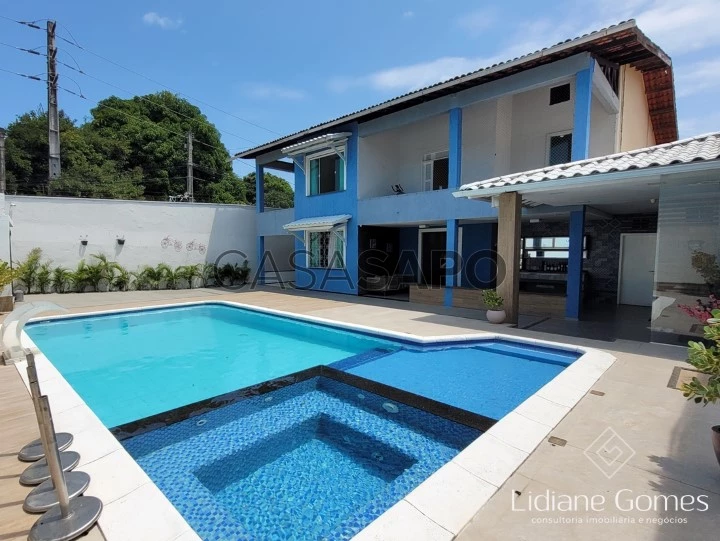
point(706, 360)
point(494, 304)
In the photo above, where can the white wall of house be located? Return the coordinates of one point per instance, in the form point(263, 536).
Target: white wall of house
point(533, 119)
point(395, 156)
point(479, 141)
point(56, 225)
point(281, 248)
point(604, 128)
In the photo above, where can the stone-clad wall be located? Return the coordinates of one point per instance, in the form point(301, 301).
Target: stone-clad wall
point(603, 245)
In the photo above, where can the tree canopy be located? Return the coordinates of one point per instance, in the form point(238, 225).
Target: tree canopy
point(132, 149)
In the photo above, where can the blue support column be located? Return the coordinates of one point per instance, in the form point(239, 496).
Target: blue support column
point(455, 149)
point(260, 259)
point(573, 302)
point(581, 115)
point(452, 260)
point(259, 188)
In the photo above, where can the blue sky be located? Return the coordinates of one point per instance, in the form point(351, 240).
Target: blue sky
point(285, 65)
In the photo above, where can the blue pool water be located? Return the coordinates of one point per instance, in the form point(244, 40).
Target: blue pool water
point(153, 361)
point(315, 460)
point(491, 379)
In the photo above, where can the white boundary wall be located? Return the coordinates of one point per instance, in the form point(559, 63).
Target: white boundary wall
point(57, 225)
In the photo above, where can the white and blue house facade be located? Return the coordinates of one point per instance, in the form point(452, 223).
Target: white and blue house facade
point(374, 189)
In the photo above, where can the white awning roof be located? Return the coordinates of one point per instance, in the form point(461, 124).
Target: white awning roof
point(318, 223)
point(330, 140)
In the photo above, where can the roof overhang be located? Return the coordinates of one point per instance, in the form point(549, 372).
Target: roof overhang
point(318, 223)
point(334, 141)
point(574, 190)
point(622, 44)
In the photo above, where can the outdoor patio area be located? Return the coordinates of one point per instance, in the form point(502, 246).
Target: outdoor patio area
point(669, 436)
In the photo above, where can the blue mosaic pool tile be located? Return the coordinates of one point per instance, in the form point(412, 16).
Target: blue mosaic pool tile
point(315, 461)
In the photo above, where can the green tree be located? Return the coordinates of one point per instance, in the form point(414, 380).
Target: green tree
point(278, 193)
point(27, 151)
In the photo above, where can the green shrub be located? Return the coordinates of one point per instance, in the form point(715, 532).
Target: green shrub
point(44, 277)
point(60, 278)
point(7, 275)
point(492, 300)
point(707, 361)
point(27, 270)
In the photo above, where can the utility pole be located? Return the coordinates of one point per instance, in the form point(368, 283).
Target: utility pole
point(189, 189)
point(2, 160)
point(53, 115)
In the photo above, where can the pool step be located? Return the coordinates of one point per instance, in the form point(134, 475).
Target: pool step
point(361, 358)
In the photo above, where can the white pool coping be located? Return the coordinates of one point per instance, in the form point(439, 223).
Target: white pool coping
point(135, 508)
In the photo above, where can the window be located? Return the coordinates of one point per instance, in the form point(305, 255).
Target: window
point(326, 173)
point(326, 249)
point(559, 94)
point(560, 149)
point(436, 171)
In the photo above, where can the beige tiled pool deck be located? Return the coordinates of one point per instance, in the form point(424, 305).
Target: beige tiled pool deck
point(670, 437)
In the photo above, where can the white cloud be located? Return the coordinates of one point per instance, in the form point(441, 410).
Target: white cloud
point(677, 27)
point(269, 91)
point(152, 18)
point(409, 14)
point(698, 77)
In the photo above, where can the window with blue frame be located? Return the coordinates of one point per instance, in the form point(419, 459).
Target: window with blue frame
point(325, 172)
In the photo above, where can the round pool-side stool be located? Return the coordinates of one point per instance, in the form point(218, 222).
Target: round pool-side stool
point(34, 450)
point(53, 526)
point(44, 496)
point(40, 471)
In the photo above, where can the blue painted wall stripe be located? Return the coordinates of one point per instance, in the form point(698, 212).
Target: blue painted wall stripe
point(573, 302)
point(260, 253)
point(451, 268)
point(455, 149)
point(581, 115)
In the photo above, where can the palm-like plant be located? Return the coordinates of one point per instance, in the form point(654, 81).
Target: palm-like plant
point(44, 277)
point(121, 277)
point(241, 273)
point(27, 270)
point(60, 279)
point(141, 279)
point(80, 277)
point(105, 269)
point(186, 274)
point(208, 274)
point(166, 274)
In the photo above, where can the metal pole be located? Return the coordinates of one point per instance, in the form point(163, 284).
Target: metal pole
point(35, 450)
point(53, 114)
point(3, 183)
point(190, 179)
point(53, 456)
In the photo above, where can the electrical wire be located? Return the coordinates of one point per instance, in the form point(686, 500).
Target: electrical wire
point(137, 73)
point(23, 49)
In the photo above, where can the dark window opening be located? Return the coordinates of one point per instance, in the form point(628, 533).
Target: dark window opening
point(559, 94)
point(560, 149)
point(441, 173)
point(326, 174)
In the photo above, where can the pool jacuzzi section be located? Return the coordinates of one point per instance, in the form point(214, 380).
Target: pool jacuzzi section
point(317, 459)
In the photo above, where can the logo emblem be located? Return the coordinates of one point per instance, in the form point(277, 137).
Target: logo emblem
point(609, 452)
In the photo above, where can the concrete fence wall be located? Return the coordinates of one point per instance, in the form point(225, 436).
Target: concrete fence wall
point(154, 232)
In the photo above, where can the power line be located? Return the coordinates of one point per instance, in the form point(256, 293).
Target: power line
point(30, 24)
point(129, 70)
point(23, 49)
point(153, 102)
point(142, 119)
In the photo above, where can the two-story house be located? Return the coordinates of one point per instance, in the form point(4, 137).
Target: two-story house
point(374, 205)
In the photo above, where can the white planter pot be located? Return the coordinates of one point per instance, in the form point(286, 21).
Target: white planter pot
point(495, 316)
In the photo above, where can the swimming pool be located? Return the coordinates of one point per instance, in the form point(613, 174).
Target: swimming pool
point(157, 360)
point(317, 459)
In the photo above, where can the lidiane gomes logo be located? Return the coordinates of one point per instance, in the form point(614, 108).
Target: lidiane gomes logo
point(609, 452)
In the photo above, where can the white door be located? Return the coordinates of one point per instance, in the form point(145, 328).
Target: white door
point(637, 268)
